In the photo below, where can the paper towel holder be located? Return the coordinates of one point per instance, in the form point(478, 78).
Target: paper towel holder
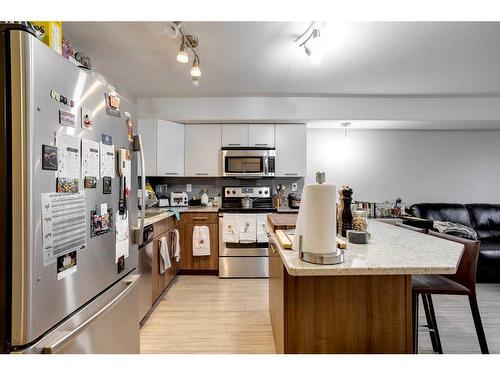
point(333, 258)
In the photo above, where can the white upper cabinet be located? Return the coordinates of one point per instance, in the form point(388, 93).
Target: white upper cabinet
point(202, 150)
point(234, 135)
point(147, 130)
point(169, 149)
point(261, 135)
point(291, 147)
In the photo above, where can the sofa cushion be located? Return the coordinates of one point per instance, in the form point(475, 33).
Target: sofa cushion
point(485, 219)
point(456, 213)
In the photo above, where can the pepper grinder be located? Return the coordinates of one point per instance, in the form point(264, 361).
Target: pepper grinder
point(346, 213)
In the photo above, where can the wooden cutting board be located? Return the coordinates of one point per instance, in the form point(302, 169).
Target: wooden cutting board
point(282, 221)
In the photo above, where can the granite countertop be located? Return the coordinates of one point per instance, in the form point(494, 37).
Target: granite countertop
point(156, 214)
point(391, 251)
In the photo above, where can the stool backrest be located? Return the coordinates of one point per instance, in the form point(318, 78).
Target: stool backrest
point(466, 272)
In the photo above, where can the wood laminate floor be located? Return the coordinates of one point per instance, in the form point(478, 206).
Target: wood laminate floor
point(205, 314)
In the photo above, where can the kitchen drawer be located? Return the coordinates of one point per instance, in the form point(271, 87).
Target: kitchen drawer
point(200, 217)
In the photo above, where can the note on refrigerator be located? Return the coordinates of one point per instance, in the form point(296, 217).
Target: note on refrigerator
point(68, 156)
point(107, 160)
point(63, 224)
point(90, 159)
point(122, 236)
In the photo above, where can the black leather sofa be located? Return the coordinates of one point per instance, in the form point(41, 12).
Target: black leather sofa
point(484, 218)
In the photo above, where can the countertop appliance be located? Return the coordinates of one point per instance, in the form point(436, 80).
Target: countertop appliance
point(146, 271)
point(178, 199)
point(248, 162)
point(92, 308)
point(248, 259)
point(294, 200)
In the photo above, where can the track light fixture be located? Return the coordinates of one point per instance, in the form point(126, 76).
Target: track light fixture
point(187, 42)
point(311, 41)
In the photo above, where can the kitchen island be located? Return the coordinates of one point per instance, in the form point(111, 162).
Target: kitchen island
point(363, 305)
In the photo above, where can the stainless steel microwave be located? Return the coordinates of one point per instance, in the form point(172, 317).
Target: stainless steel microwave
point(248, 162)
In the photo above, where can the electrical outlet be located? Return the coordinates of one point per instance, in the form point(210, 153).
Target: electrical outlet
point(294, 186)
point(189, 188)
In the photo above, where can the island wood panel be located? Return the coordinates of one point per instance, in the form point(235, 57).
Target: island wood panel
point(277, 298)
point(339, 314)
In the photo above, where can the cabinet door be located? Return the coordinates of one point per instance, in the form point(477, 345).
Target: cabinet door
point(202, 150)
point(291, 147)
point(147, 129)
point(170, 149)
point(261, 135)
point(190, 262)
point(234, 135)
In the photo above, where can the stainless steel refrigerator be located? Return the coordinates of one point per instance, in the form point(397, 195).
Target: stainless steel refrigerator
point(83, 303)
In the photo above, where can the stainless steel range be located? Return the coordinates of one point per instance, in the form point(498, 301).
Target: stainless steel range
point(243, 241)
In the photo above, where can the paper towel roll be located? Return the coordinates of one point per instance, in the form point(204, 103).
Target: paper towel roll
point(317, 219)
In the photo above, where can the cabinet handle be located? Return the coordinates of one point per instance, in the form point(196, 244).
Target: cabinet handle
point(200, 218)
point(201, 174)
point(171, 173)
point(234, 144)
point(291, 174)
point(261, 144)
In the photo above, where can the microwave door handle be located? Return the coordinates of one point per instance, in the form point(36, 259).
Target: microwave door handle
point(138, 147)
point(266, 166)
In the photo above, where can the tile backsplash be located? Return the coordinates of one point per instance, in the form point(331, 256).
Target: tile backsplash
point(214, 185)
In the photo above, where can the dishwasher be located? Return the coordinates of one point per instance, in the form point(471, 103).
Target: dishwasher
point(145, 271)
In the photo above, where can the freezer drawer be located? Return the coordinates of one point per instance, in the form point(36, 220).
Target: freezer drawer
point(243, 267)
point(107, 325)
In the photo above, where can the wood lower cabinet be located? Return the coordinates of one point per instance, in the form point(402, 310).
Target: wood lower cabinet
point(187, 224)
point(165, 229)
point(277, 297)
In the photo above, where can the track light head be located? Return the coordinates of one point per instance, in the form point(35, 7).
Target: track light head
point(182, 55)
point(195, 70)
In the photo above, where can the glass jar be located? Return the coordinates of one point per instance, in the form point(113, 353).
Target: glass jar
point(360, 220)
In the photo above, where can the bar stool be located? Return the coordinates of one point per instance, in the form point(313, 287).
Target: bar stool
point(461, 283)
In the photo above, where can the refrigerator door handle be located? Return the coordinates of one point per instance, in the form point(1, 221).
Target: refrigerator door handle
point(138, 147)
point(65, 337)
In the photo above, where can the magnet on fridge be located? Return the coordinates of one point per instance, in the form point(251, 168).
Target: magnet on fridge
point(87, 120)
point(130, 127)
point(66, 118)
point(106, 139)
point(49, 158)
point(106, 185)
point(121, 264)
point(90, 182)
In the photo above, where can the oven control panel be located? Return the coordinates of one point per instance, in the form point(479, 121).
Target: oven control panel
point(252, 192)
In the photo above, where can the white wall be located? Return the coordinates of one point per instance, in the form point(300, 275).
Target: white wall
point(320, 108)
point(418, 166)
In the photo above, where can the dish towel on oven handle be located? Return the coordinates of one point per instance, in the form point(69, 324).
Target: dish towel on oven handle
point(230, 228)
point(165, 263)
point(201, 240)
point(262, 228)
point(248, 228)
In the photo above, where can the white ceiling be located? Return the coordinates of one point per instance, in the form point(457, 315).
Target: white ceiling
point(261, 59)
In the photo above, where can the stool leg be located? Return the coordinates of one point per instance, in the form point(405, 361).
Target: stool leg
point(478, 324)
point(434, 325)
point(430, 323)
point(415, 322)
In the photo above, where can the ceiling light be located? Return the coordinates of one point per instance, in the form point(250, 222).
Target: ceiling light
point(182, 55)
point(195, 81)
point(312, 42)
point(195, 70)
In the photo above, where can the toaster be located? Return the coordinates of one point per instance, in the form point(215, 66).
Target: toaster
point(178, 198)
